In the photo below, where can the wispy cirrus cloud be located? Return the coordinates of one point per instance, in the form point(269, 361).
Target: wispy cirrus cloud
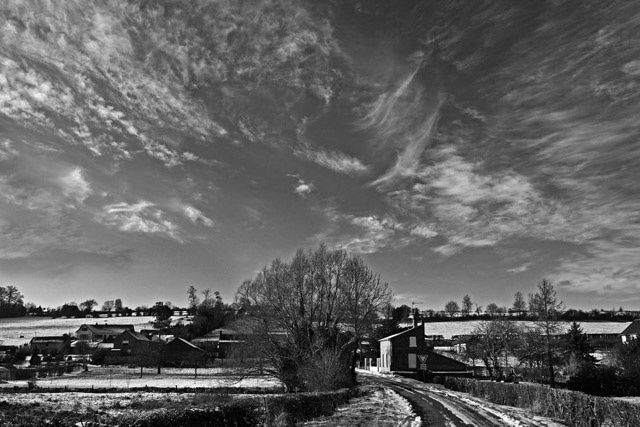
point(140, 217)
point(334, 160)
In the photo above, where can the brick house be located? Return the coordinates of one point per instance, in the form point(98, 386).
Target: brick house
point(131, 343)
point(93, 333)
point(409, 352)
point(180, 352)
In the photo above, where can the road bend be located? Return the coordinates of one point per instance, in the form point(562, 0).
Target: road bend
point(438, 406)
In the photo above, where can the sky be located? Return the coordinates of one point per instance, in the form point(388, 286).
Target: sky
point(459, 147)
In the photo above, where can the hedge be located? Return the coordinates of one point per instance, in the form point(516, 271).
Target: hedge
point(275, 409)
point(572, 407)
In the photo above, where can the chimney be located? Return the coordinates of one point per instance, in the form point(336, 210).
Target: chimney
point(415, 317)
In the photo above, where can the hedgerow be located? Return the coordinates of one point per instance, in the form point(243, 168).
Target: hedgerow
point(572, 407)
point(275, 409)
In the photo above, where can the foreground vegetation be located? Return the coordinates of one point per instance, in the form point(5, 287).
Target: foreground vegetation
point(157, 410)
point(572, 407)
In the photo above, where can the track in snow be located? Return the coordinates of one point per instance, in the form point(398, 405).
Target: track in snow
point(441, 407)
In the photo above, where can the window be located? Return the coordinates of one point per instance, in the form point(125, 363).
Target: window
point(412, 342)
point(412, 361)
point(125, 341)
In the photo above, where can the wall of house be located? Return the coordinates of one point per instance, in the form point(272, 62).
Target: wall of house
point(385, 356)
point(405, 349)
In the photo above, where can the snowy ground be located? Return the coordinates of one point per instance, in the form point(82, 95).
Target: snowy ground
point(456, 408)
point(382, 407)
point(124, 378)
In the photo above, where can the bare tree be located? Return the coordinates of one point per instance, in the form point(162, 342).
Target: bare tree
point(545, 305)
point(467, 305)
point(310, 313)
point(519, 305)
point(451, 308)
point(491, 341)
point(88, 305)
point(492, 309)
point(192, 297)
point(108, 305)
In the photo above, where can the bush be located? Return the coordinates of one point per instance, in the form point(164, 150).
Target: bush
point(574, 408)
point(602, 381)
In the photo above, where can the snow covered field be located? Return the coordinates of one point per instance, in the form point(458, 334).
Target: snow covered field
point(125, 378)
point(448, 329)
point(18, 331)
point(383, 407)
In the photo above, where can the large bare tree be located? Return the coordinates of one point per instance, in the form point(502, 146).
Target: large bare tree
point(311, 313)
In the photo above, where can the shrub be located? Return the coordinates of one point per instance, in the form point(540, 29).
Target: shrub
point(574, 408)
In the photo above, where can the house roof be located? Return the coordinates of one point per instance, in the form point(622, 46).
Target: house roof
point(136, 335)
point(56, 338)
point(632, 329)
point(439, 363)
point(400, 333)
point(107, 329)
point(179, 342)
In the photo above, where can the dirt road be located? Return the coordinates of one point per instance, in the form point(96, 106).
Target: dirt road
point(441, 407)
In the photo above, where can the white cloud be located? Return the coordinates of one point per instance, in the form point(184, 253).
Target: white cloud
point(520, 269)
point(140, 217)
point(302, 188)
point(196, 216)
point(75, 186)
point(335, 161)
point(423, 231)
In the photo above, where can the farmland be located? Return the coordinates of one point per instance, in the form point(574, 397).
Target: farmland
point(122, 378)
point(18, 331)
point(449, 329)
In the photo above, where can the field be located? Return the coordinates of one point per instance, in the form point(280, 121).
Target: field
point(123, 378)
point(448, 329)
point(18, 331)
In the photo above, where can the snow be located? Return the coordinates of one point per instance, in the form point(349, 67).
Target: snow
point(460, 403)
point(380, 407)
point(449, 329)
point(12, 329)
point(125, 378)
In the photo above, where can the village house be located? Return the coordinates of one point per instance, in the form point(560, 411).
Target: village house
point(50, 344)
point(631, 332)
point(222, 342)
point(97, 332)
point(131, 343)
point(408, 352)
point(180, 352)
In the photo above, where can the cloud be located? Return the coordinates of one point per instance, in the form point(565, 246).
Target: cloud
point(334, 160)
point(302, 188)
point(520, 269)
point(140, 217)
point(75, 186)
point(423, 231)
point(196, 216)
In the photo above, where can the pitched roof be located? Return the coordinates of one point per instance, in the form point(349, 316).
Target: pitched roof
point(632, 329)
point(179, 342)
point(136, 335)
point(57, 338)
point(107, 329)
point(400, 333)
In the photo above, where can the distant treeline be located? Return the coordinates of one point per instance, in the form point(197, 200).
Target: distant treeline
point(568, 315)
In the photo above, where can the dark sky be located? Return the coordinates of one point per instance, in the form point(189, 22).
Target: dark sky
point(461, 147)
